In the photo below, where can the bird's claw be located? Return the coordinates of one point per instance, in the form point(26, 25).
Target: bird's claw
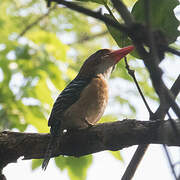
point(89, 124)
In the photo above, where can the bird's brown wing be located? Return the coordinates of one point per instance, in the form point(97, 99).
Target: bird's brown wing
point(67, 97)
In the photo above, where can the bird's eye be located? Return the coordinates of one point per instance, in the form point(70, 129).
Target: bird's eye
point(106, 55)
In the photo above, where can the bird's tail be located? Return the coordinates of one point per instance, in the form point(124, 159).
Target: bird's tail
point(48, 153)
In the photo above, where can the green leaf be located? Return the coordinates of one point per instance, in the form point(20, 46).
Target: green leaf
point(123, 101)
point(120, 38)
point(35, 117)
point(15, 122)
point(77, 167)
point(117, 155)
point(108, 118)
point(71, 73)
point(51, 42)
point(36, 163)
point(22, 52)
point(162, 16)
point(129, 3)
point(61, 162)
point(148, 90)
point(56, 77)
point(42, 91)
point(120, 70)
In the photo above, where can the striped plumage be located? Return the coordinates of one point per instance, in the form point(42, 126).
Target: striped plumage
point(66, 98)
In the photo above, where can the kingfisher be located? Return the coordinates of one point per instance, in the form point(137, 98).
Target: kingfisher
point(82, 103)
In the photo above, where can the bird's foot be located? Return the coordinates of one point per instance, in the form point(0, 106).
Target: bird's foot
point(89, 124)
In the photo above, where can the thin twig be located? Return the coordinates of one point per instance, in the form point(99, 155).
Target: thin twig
point(152, 44)
point(169, 161)
point(171, 50)
point(109, 10)
point(92, 37)
point(163, 108)
point(104, 19)
point(28, 27)
point(133, 165)
point(160, 113)
point(155, 74)
point(132, 74)
point(153, 70)
point(48, 3)
point(151, 63)
point(165, 148)
point(153, 48)
point(125, 14)
point(140, 151)
point(173, 125)
point(153, 51)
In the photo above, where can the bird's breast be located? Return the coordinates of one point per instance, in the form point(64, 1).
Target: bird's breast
point(90, 106)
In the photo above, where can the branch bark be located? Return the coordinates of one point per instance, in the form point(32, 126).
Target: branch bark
point(89, 38)
point(106, 136)
point(97, 15)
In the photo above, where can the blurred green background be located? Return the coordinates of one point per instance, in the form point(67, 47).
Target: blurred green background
point(41, 50)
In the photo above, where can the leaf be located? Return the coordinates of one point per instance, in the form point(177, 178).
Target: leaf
point(77, 167)
point(71, 73)
point(16, 122)
point(148, 90)
point(36, 163)
point(120, 70)
point(108, 118)
point(42, 91)
point(117, 155)
point(35, 117)
point(120, 38)
point(123, 101)
point(129, 3)
point(162, 16)
point(61, 162)
point(22, 52)
point(51, 42)
point(56, 77)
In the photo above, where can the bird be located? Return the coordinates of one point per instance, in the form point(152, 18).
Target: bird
point(82, 103)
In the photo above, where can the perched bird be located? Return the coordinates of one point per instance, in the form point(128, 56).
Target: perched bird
point(82, 103)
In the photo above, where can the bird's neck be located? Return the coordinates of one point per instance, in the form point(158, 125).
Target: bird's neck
point(101, 76)
point(104, 76)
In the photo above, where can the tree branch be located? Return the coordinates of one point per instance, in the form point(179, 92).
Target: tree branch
point(97, 15)
point(171, 50)
point(28, 27)
point(105, 136)
point(163, 108)
point(89, 38)
point(159, 114)
point(125, 14)
point(150, 59)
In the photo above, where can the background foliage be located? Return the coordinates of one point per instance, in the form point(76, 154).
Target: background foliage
point(41, 50)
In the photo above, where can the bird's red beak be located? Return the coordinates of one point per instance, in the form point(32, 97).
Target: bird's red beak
point(117, 55)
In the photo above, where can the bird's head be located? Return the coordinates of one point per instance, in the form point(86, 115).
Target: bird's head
point(103, 62)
